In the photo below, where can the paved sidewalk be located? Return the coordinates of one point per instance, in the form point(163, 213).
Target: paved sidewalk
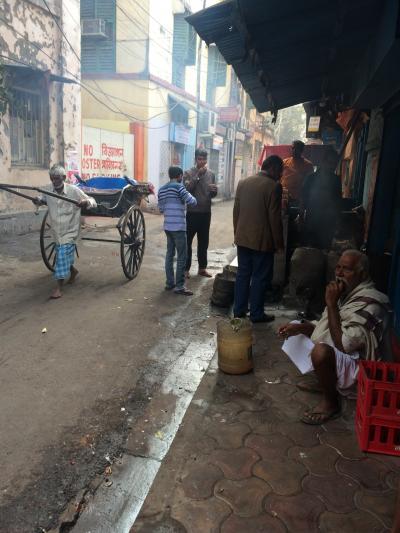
point(242, 462)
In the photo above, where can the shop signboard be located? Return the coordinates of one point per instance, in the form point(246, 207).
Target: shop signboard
point(229, 114)
point(106, 153)
point(313, 124)
point(218, 142)
point(179, 133)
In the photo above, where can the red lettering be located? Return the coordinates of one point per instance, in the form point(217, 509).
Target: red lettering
point(87, 149)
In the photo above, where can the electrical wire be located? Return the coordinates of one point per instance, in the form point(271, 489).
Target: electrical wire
point(143, 29)
point(116, 109)
point(108, 97)
point(120, 111)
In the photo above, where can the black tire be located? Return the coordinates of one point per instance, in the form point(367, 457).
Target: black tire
point(47, 244)
point(133, 237)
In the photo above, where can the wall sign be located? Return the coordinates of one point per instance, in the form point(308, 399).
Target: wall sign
point(106, 153)
point(313, 124)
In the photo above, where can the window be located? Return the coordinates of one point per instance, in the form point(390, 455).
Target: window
point(183, 49)
point(98, 39)
point(216, 73)
point(179, 114)
point(27, 128)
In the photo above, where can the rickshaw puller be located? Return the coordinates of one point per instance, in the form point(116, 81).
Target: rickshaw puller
point(65, 222)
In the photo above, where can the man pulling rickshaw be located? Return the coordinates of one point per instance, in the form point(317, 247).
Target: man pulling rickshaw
point(65, 221)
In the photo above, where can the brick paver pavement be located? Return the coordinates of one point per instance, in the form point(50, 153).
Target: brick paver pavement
point(242, 461)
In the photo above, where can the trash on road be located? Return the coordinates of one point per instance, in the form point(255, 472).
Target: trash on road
point(108, 482)
point(44, 330)
point(159, 435)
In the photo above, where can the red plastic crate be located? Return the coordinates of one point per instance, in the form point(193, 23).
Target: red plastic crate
point(378, 407)
point(379, 389)
point(378, 435)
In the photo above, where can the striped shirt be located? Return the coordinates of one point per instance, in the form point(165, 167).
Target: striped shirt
point(172, 201)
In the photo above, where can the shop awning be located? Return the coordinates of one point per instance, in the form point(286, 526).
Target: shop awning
point(28, 69)
point(287, 52)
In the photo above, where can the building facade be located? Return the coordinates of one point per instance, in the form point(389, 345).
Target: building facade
point(40, 76)
point(141, 60)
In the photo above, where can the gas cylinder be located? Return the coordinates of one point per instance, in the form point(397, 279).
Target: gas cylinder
point(235, 342)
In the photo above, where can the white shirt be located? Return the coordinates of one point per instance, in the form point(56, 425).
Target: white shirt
point(65, 217)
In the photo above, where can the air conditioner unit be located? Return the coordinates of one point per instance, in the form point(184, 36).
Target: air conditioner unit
point(208, 122)
point(95, 28)
point(230, 135)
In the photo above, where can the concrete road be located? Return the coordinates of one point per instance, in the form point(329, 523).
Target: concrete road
point(73, 398)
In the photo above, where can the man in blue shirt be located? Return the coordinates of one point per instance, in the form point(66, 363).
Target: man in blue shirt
point(172, 200)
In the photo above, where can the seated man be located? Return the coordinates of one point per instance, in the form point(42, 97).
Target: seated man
point(352, 326)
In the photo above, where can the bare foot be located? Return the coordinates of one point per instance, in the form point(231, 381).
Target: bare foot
point(56, 294)
point(74, 273)
point(321, 413)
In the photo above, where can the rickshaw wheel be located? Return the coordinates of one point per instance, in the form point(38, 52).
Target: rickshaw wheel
point(133, 236)
point(47, 244)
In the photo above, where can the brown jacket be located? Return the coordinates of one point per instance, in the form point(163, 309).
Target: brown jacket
point(257, 217)
point(197, 185)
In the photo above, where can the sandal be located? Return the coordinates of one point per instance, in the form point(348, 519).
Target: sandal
point(317, 418)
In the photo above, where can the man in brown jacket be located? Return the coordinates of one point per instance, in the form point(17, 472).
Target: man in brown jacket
point(257, 224)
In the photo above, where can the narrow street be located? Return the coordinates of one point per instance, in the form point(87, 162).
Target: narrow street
point(81, 377)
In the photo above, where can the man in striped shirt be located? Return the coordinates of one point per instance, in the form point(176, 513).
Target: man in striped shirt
point(172, 201)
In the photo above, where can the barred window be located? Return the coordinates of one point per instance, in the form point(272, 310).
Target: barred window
point(27, 128)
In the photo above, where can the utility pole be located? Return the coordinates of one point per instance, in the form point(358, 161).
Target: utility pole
point(198, 85)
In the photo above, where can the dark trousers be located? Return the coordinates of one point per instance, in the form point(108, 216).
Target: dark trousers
point(198, 223)
point(254, 271)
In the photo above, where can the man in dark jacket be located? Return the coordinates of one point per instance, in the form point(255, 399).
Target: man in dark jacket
point(257, 224)
point(320, 202)
point(200, 182)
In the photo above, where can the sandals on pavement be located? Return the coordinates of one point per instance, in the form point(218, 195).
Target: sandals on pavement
point(317, 418)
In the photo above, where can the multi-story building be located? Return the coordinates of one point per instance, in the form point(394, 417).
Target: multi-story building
point(40, 76)
point(140, 60)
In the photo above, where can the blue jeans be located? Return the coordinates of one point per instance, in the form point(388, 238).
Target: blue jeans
point(254, 272)
point(176, 240)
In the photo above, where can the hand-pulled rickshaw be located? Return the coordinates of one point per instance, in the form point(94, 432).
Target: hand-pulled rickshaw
point(116, 198)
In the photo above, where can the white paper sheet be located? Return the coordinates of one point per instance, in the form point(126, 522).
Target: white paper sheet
point(298, 348)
